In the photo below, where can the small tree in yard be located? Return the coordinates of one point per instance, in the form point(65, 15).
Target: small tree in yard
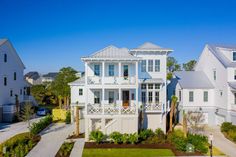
point(185, 125)
point(195, 121)
point(172, 111)
point(26, 113)
point(77, 121)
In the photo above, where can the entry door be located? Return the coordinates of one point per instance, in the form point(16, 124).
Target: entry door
point(125, 98)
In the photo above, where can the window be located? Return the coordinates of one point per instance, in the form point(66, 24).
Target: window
point(143, 96)
point(214, 74)
point(157, 86)
point(157, 65)
point(132, 96)
point(143, 66)
point(11, 93)
point(5, 81)
point(14, 75)
point(191, 96)
point(126, 71)
point(179, 95)
point(234, 56)
point(150, 97)
point(221, 93)
point(21, 92)
point(96, 97)
point(157, 97)
point(111, 97)
point(150, 86)
point(205, 96)
point(143, 86)
point(150, 65)
point(80, 91)
point(97, 70)
point(234, 98)
point(235, 74)
point(111, 69)
point(5, 58)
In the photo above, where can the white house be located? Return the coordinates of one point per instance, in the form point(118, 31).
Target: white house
point(214, 85)
point(12, 83)
point(118, 85)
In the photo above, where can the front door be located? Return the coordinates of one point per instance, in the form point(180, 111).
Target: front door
point(125, 98)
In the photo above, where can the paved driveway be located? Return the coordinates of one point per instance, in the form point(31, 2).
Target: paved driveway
point(7, 130)
point(226, 146)
point(51, 140)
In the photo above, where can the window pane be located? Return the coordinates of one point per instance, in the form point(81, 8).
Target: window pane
point(126, 70)
point(143, 86)
point(97, 97)
point(150, 65)
point(150, 86)
point(111, 70)
point(156, 97)
point(157, 65)
point(5, 81)
point(191, 96)
point(143, 97)
point(179, 95)
point(234, 98)
point(97, 70)
point(150, 97)
point(214, 73)
point(143, 66)
point(234, 56)
point(80, 91)
point(205, 97)
point(157, 86)
point(14, 75)
point(5, 58)
point(111, 97)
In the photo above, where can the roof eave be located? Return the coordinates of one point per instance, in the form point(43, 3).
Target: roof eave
point(109, 59)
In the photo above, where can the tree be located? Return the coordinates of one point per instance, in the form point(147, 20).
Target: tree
point(60, 85)
point(39, 93)
point(172, 65)
point(174, 100)
point(185, 124)
point(26, 113)
point(195, 120)
point(189, 66)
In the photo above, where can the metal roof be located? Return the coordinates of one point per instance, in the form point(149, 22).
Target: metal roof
point(215, 50)
point(193, 80)
point(150, 47)
point(80, 81)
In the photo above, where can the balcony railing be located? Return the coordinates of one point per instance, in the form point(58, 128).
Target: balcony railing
point(153, 107)
point(110, 109)
point(112, 80)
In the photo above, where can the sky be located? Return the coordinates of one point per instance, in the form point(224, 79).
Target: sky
point(51, 34)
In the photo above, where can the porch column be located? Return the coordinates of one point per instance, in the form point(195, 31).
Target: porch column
point(86, 89)
point(120, 103)
point(136, 73)
point(103, 71)
point(119, 69)
point(137, 86)
point(103, 100)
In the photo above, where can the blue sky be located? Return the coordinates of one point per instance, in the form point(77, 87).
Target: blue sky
point(50, 34)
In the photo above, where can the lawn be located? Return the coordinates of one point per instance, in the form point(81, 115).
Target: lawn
point(132, 152)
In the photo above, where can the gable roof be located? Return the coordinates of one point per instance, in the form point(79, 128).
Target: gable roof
point(33, 75)
point(13, 51)
point(80, 81)
point(150, 47)
point(112, 52)
point(215, 50)
point(193, 80)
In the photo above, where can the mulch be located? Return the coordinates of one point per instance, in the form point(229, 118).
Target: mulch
point(93, 145)
point(75, 136)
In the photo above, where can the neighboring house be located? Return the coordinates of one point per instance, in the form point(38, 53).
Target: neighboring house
point(33, 78)
point(214, 81)
point(79, 74)
point(118, 85)
point(12, 83)
point(50, 77)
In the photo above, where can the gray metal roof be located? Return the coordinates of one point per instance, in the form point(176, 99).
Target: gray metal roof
point(148, 46)
point(80, 81)
point(215, 50)
point(112, 52)
point(193, 80)
point(232, 85)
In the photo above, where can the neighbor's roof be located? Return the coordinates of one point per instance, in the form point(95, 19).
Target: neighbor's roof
point(112, 52)
point(215, 50)
point(148, 46)
point(80, 81)
point(33, 75)
point(51, 74)
point(193, 80)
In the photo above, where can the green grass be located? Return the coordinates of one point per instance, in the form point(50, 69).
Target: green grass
point(132, 152)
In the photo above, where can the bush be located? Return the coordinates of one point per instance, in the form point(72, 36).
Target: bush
point(178, 140)
point(227, 126)
point(65, 149)
point(133, 138)
point(144, 134)
point(35, 128)
point(125, 138)
point(116, 137)
point(19, 145)
point(97, 136)
point(232, 135)
point(160, 134)
point(200, 142)
point(68, 117)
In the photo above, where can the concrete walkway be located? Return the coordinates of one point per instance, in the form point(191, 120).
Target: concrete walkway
point(51, 140)
point(225, 145)
point(78, 148)
point(8, 130)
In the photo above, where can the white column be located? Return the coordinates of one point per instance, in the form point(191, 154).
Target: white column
point(103, 99)
point(86, 88)
point(137, 87)
point(120, 103)
point(103, 71)
point(119, 68)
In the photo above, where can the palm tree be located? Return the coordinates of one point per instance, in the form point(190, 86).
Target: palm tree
point(172, 111)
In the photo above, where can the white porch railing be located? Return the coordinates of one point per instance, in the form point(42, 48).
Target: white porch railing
point(110, 109)
point(112, 80)
point(153, 107)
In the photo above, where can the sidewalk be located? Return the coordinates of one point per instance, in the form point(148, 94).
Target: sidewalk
point(51, 140)
point(77, 150)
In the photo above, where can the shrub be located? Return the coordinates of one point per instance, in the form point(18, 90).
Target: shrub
point(178, 140)
point(133, 138)
point(65, 149)
point(227, 126)
point(232, 135)
point(116, 137)
point(68, 117)
point(144, 134)
point(160, 134)
point(97, 136)
point(125, 138)
point(37, 127)
point(200, 142)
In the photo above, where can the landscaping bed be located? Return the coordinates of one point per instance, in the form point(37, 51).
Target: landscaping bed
point(19, 145)
point(229, 131)
point(65, 149)
point(73, 136)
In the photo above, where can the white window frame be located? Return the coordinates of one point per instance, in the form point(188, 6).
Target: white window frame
point(97, 70)
point(205, 96)
point(150, 65)
point(157, 65)
point(97, 96)
point(234, 56)
point(111, 70)
point(80, 91)
point(143, 66)
point(191, 96)
point(111, 97)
